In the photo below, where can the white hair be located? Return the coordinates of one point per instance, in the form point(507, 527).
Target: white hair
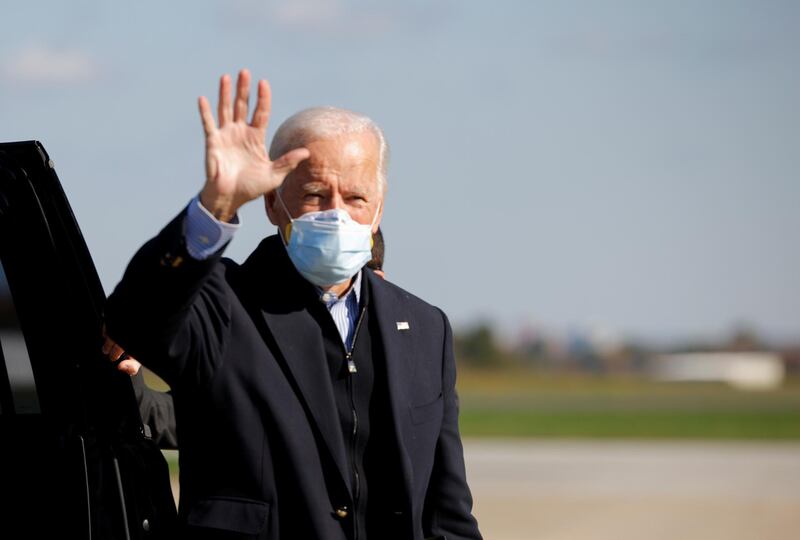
point(324, 123)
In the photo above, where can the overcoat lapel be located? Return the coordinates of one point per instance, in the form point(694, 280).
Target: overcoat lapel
point(298, 337)
point(389, 309)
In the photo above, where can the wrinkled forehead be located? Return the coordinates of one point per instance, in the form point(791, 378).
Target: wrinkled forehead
point(352, 157)
point(361, 145)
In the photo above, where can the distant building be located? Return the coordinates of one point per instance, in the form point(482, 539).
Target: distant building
point(745, 370)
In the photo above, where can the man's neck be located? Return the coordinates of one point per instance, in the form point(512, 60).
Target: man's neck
point(340, 289)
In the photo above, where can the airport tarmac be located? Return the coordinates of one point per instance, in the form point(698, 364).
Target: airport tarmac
point(563, 490)
point(529, 489)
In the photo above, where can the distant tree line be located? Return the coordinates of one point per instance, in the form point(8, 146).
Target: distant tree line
point(478, 346)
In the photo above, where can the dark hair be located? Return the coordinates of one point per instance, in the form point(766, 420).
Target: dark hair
point(377, 251)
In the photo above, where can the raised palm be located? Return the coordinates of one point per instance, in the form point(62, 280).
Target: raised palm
point(238, 168)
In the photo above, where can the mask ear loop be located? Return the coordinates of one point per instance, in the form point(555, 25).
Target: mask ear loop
point(372, 225)
point(287, 234)
point(375, 217)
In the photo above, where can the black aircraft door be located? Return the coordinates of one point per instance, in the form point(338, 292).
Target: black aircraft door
point(74, 461)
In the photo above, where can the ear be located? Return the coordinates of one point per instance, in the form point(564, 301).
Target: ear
point(269, 205)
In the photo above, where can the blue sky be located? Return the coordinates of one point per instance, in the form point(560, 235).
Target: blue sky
point(623, 166)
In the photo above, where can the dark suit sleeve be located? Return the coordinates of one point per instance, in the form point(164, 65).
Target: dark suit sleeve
point(158, 413)
point(448, 503)
point(171, 311)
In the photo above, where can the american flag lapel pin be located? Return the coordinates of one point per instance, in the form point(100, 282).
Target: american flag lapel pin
point(402, 325)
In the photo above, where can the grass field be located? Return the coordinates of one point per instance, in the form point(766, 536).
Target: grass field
point(522, 404)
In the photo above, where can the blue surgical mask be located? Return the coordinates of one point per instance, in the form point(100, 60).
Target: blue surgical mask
point(327, 247)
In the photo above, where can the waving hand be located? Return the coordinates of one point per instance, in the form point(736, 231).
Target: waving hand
point(238, 168)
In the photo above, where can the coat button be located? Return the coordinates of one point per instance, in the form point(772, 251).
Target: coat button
point(341, 512)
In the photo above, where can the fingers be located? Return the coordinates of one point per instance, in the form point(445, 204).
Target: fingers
point(205, 116)
point(116, 353)
point(242, 97)
point(263, 106)
point(237, 112)
point(113, 351)
point(224, 105)
point(131, 366)
point(289, 162)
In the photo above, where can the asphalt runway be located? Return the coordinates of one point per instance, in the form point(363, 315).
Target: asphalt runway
point(528, 489)
point(561, 490)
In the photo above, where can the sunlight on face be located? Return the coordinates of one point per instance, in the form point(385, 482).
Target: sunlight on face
point(341, 173)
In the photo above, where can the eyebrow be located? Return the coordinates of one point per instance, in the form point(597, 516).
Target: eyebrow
point(357, 192)
point(318, 188)
point(315, 188)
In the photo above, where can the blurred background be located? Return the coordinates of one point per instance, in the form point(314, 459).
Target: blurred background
point(602, 195)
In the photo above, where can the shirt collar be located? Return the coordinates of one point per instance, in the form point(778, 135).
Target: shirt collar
point(329, 298)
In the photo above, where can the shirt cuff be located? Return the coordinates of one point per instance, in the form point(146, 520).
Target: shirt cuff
point(205, 234)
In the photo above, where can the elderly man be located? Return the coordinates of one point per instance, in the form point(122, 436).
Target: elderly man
point(313, 400)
